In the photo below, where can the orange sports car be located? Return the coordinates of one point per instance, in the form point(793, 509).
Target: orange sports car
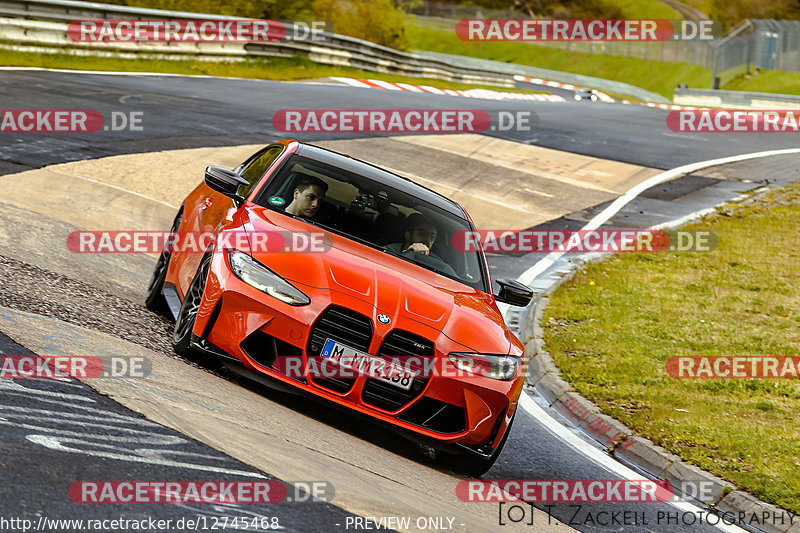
point(332, 276)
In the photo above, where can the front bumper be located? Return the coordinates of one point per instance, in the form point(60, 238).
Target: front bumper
point(238, 322)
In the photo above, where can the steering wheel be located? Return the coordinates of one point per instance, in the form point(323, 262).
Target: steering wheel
point(431, 261)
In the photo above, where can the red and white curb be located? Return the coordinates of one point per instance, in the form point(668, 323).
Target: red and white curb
point(488, 94)
point(604, 97)
point(485, 94)
point(569, 87)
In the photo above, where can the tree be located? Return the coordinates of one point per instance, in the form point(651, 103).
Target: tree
point(378, 21)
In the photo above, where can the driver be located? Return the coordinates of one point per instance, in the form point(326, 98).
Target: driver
point(308, 196)
point(419, 236)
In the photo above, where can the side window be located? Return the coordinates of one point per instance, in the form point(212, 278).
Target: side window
point(256, 168)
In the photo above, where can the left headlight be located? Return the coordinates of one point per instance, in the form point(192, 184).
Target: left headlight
point(262, 278)
point(502, 367)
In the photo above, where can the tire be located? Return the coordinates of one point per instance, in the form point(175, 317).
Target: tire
point(182, 334)
point(472, 465)
point(154, 299)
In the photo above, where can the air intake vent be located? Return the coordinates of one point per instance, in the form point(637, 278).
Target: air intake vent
point(436, 415)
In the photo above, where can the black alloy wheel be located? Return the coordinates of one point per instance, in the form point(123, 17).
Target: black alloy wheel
point(182, 336)
point(154, 299)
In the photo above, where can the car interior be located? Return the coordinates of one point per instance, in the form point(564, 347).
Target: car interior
point(373, 213)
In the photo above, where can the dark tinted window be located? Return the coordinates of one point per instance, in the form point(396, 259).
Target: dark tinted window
point(377, 215)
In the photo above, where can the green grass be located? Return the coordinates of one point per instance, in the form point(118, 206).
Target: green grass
point(294, 68)
point(612, 328)
point(656, 76)
point(766, 81)
point(660, 77)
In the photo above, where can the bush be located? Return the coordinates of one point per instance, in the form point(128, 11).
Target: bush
point(377, 21)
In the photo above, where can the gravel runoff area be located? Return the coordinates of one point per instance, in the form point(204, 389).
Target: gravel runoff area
point(35, 290)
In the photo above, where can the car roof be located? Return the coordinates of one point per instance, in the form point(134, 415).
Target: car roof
point(379, 175)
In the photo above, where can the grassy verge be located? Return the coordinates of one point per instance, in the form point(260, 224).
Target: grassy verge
point(766, 81)
point(294, 68)
point(656, 76)
point(613, 327)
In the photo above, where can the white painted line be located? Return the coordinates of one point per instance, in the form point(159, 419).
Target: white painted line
point(116, 187)
point(597, 456)
point(531, 407)
point(601, 218)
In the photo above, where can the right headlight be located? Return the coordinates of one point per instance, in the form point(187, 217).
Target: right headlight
point(502, 367)
point(262, 278)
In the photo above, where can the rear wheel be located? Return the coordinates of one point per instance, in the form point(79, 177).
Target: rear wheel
point(154, 299)
point(182, 335)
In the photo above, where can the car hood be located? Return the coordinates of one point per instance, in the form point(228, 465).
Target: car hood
point(387, 284)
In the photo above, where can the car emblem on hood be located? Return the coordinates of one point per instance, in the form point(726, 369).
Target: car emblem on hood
point(384, 319)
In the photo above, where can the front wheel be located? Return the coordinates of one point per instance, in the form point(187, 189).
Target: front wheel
point(154, 299)
point(473, 465)
point(182, 335)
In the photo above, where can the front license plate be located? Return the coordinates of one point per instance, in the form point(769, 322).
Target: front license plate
point(367, 364)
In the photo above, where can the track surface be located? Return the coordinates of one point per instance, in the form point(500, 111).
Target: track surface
point(185, 112)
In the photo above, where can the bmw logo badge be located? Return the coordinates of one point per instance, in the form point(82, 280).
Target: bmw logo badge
point(384, 319)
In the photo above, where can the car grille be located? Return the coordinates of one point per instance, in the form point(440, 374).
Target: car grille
point(341, 325)
point(385, 396)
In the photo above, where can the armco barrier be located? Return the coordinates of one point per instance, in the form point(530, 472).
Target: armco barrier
point(336, 50)
point(735, 99)
point(534, 72)
point(51, 18)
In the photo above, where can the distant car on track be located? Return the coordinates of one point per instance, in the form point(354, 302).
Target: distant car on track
point(586, 94)
point(367, 299)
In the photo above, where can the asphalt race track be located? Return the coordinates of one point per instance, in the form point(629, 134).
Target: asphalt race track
point(43, 454)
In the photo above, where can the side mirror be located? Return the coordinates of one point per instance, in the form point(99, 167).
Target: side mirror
point(513, 292)
point(225, 181)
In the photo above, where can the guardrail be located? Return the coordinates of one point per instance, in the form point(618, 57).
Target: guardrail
point(564, 77)
point(735, 99)
point(48, 32)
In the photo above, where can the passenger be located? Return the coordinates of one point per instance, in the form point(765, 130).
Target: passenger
point(419, 236)
point(308, 196)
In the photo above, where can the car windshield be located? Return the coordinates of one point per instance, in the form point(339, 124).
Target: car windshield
point(379, 216)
